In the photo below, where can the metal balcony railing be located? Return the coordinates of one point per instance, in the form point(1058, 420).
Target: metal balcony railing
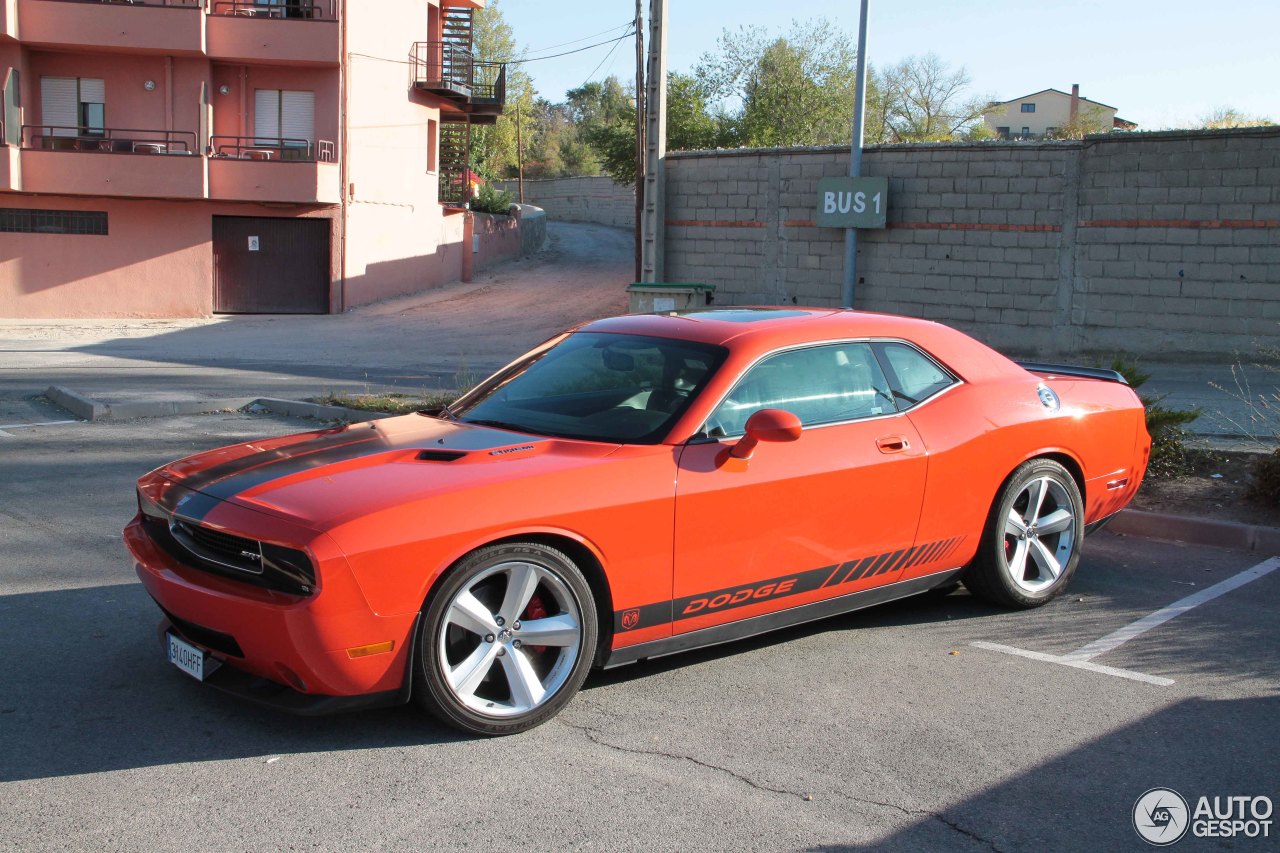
point(274, 149)
point(307, 10)
point(110, 140)
point(489, 85)
point(443, 66)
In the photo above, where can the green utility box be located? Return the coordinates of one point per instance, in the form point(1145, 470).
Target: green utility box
point(649, 297)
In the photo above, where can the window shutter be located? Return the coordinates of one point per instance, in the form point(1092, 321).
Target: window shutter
point(266, 116)
point(92, 91)
point(58, 105)
point(298, 115)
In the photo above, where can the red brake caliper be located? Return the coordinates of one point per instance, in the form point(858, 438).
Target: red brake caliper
point(535, 610)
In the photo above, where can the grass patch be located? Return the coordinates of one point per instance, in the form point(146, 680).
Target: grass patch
point(392, 403)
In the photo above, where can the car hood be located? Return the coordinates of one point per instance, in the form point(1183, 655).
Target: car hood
point(325, 478)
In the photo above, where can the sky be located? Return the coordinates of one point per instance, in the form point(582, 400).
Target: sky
point(1161, 64)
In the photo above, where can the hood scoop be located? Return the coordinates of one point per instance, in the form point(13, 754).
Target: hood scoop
point(440, 455)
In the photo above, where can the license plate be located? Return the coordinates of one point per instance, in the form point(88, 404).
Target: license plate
point(187, 657)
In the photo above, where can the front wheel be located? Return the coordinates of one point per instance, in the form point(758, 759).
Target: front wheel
point(507, 640)
point(1031, 544)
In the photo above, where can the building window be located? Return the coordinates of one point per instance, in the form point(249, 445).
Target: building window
point(73, 106)
point(1002, 132)
point(283, 118)
point(25, 221)
point(1028, 108)
point(1049, 131)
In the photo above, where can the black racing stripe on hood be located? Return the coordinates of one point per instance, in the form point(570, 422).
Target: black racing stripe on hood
point(200, 479)
point(264, 471)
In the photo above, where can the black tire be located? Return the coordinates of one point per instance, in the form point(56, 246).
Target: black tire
point(992, 574)
point(447, 645)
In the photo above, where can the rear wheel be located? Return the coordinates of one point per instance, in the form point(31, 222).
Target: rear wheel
point(508, 639)
point(1031, 544)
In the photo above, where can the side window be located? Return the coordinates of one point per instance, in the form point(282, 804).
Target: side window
point(914, 376)
point(825, 384)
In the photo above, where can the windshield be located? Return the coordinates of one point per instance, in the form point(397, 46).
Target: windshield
point(624, 389)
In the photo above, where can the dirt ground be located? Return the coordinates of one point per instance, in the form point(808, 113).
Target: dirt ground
point(1215, 489)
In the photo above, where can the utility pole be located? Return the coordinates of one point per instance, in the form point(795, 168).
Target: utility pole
point(855, 162)
point(655, 216)
point(519, 155)
point(639, 227)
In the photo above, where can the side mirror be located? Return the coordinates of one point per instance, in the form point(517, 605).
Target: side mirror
point(766, 425)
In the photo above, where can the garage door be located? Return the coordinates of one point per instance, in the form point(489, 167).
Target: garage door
point(264, 265)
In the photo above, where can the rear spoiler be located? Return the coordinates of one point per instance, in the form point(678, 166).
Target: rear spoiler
point(1072, 370)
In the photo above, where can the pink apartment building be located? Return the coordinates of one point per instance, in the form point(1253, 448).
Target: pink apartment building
point(173, 158)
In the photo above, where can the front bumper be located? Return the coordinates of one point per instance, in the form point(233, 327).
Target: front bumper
point(278, 697)
point(297, 643)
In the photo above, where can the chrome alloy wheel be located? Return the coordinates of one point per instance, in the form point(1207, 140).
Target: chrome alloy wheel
point(509, 639)
point(1039, 534)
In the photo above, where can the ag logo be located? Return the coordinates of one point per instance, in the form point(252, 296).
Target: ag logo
point(1161, 817)
point(630, 619)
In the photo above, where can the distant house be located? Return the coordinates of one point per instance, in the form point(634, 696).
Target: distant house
point(1041, 113)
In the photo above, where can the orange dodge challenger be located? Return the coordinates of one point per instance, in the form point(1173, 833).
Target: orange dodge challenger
point(634, 487)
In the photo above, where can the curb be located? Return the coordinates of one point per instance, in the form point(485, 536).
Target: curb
point(1196, 531)
point(319, 411)
point(88, 409)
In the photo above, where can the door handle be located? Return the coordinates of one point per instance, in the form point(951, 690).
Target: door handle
point(893, 444)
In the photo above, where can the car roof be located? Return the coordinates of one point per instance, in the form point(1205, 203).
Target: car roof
point(766, 326)
point(754, 330)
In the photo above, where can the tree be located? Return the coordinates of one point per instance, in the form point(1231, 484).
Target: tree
point(1226, 117)
point(493, 147)
point(608, 124)
point(597, 104)
point(691, 126)
point(925, 100)
point(797, 89)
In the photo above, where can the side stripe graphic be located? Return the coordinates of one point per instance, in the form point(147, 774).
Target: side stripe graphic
point(717, 601)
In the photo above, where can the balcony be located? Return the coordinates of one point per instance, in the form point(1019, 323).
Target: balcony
point(112, 162)
point(472, 88)
point(283, 32)
point(293, 171)
point(172, 27)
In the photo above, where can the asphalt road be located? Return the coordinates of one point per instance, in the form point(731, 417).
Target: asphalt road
point(884, 730)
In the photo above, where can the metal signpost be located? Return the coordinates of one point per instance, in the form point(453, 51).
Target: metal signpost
point(855, 164)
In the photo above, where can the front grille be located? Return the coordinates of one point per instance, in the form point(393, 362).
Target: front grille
point(206, 637)
point(236, 551)
point(236, 557)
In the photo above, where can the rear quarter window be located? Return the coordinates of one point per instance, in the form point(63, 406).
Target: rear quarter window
point(913, 375)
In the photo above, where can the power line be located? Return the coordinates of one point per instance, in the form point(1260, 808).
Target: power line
point(620, 38)
point(602, 62)
point(628, 24)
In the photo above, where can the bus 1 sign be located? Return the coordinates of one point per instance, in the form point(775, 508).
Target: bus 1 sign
point(852, 202)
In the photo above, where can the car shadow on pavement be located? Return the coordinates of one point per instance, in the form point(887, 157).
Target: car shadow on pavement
point(919, 609)
point(1085, 798)
point(84, 688)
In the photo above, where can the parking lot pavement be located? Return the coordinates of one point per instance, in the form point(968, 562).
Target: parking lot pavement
point(885, 729)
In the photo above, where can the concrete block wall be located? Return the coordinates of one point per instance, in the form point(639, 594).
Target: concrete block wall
point(1154, 244)
point(596, 200)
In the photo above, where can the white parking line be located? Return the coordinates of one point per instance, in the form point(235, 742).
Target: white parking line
point(1077, 664)
point(1115, 639)
point(41, 423)
point(1082, 658)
